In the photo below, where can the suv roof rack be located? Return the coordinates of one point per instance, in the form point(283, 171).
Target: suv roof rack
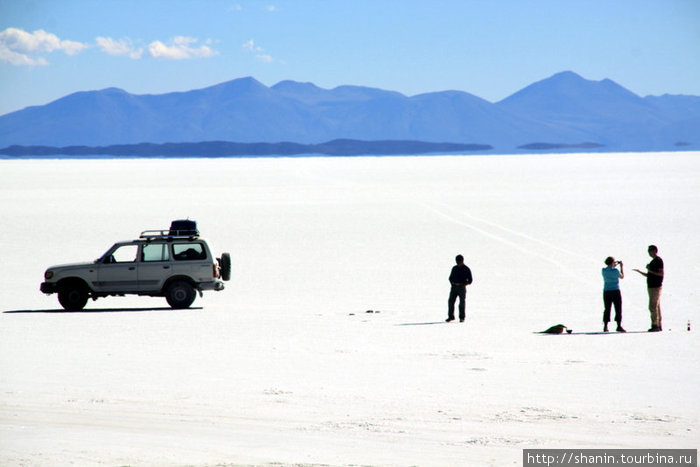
point(169, 234)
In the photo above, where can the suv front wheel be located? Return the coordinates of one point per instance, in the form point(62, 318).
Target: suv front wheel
point(72, 297)
point(180, 294)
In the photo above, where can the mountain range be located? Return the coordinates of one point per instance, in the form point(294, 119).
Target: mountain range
point(337, 147)
point(562, 111)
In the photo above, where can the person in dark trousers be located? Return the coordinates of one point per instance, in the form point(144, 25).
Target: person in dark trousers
point(460, 278)
point(655, 277)
point(611, 292)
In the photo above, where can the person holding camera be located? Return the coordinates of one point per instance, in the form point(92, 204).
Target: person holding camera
point(611, 292)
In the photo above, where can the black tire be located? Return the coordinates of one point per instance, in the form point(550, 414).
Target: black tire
point(225, 264)
point(73, 297)
point(180, 294)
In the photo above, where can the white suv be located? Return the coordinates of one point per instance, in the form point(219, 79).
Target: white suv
point(175, 264)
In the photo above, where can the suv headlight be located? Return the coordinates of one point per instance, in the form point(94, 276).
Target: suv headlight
point(48, 275)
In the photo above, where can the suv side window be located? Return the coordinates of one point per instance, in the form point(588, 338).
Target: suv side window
point(123, 254)
point(155, 252)
point(188, 252)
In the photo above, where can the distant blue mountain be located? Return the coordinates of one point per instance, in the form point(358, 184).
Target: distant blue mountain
point(606, 113)
point(338, 147)
point(562, 111)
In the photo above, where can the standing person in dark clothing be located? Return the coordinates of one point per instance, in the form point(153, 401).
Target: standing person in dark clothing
point(611, 292)
point(460, 278)
point(655, 277)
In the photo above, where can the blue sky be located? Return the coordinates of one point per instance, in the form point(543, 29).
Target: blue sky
point(490, 48)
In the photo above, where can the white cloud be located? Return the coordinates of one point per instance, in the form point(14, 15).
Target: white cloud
point(271, 8)
point(18, 59)
point(250, 45)
point(257, 50)
point(120, 47)
point(19, 47)
point(180, 48)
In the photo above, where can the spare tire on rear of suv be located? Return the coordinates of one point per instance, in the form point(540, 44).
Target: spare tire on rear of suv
point(225, 265)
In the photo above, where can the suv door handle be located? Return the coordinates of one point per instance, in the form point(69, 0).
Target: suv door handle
point(166, 267)
point(132, 268)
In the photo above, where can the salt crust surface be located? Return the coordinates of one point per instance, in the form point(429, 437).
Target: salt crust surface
point(285, 366)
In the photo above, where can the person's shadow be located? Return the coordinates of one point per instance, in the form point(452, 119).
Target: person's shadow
point(421, 324)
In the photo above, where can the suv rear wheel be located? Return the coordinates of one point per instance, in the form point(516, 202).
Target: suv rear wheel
point(180, 294)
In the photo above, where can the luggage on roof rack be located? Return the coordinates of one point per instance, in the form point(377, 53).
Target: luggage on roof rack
point(184, 227)
point(178, 229)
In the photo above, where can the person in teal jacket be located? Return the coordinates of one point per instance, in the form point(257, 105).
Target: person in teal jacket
point(611, 292)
